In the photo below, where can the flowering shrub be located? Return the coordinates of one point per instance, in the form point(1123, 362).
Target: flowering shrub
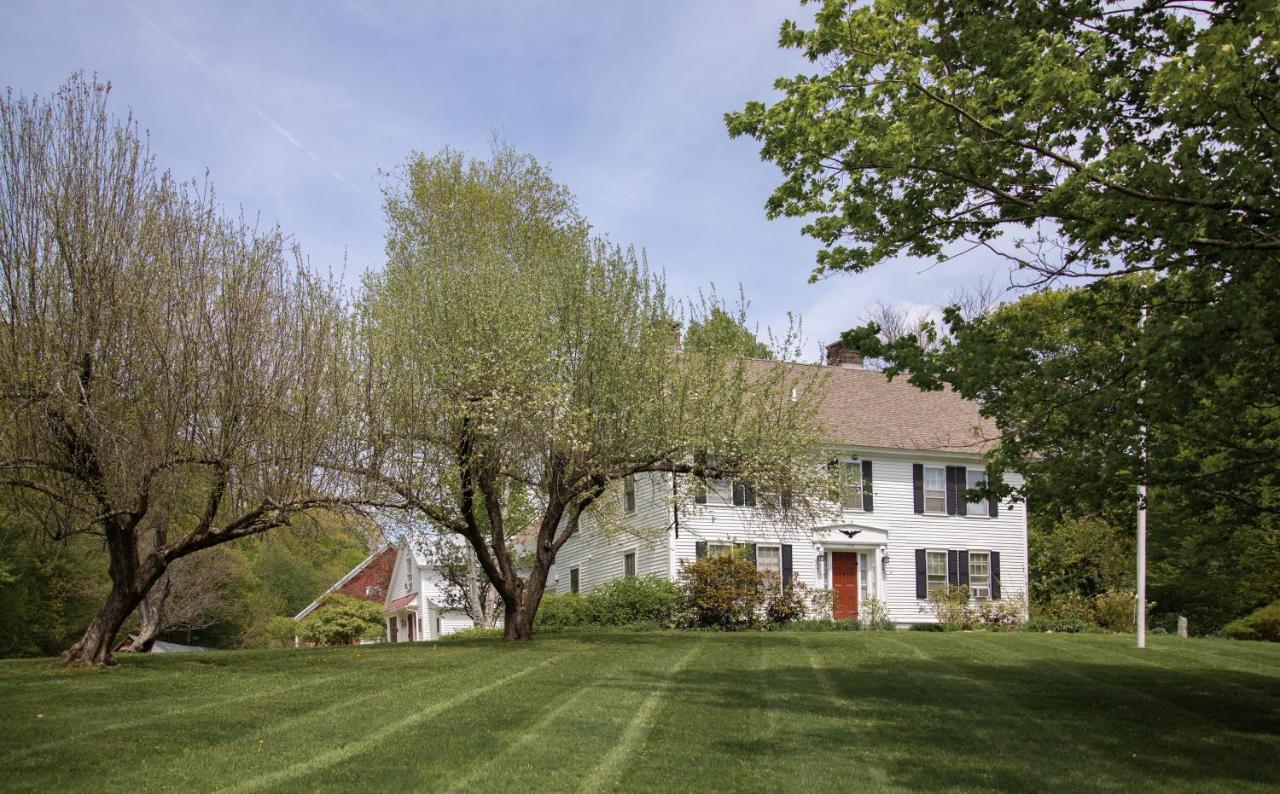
point(874, 615)
point(786, 604)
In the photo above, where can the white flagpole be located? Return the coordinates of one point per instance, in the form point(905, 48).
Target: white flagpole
point(1142, 512)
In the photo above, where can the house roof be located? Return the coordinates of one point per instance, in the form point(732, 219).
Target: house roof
point(338, 584)
point(862, 408)
point(402, 601)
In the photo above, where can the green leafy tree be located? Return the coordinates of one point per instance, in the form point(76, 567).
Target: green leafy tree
point(1131, 145)
point(508, 350)
point(722, 330)
point(341, 620)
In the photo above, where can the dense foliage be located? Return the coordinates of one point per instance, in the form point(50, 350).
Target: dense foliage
point(641, 600)
point(342, 620)
point(508, 348)
point(1261, 624)
point(1133, 145)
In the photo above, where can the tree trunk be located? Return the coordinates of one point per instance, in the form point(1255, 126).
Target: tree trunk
point(131, 579)
point(517, 623)
point(94, 648)
point(151, 611)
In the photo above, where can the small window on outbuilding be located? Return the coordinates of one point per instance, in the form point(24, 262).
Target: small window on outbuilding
point(573, 580)
point(629, 565)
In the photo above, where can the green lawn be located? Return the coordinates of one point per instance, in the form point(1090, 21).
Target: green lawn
point(659, 712)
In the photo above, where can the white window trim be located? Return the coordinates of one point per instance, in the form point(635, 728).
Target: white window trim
point(924, 490)
point(946, 574)
point(715, 547)
point(981, 504)
point(975, 596)
point(778, 547)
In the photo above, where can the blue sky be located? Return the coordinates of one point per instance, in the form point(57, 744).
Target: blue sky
point(294, 107)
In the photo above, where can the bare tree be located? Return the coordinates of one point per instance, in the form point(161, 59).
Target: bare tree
point(170, 375)
point(189, 596)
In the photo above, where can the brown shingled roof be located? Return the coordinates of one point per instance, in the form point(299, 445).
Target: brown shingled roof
point(863, 408)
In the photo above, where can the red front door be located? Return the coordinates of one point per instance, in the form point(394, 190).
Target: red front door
point(844, 581)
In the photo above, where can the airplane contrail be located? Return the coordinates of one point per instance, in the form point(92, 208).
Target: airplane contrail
point(231, 89)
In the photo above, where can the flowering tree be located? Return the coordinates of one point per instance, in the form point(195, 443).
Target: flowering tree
point(509, 351)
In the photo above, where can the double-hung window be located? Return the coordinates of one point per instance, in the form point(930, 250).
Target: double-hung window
point(629, 493)
point(975, 478)
point(719, 548)
point(935, 492)
point(769, 561)
point(980, 574)
point(851, 485)
point(936, 569)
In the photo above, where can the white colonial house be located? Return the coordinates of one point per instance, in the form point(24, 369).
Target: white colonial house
point(907, 458)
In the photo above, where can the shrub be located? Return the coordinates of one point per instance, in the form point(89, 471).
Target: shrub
point(562, 611)
point(817, 624)
point(1116, 610)
point(1071, 606)
point(473, 633)
point(786, 604)
point(1261, 624)
point(721, 591)
point(927, 627)
point(622, 602)
point(951, 607)
point(822, 602)
point(1004, 615)
point(341, 620)
point(1066, 626)
point(874, 615)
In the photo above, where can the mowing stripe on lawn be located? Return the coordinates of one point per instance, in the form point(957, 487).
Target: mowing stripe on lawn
point(1162, 702)
point(538, 730)
point(371, 740)
point(879, 778)
point(637, 729)
point(1137, 656)
point(22, 752)
point(1202, 653)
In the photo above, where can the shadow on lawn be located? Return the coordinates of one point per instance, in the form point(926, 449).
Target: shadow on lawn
point(1046, 721)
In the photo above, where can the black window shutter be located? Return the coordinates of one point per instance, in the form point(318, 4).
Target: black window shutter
point(786, 565)
point(866, 486)
point(922, 575)
point(700, 492)
point(749, 495)
point(751, 547)
point(739, 494)
point(993, 504)
point(953, 567)
point(962, 562)
point(917, 476)
point(700, 549)
point(995, 574)
point(786, 498)
point(956, 486)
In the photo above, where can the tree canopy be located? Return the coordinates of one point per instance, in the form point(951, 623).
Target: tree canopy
point(509, 349)
point(1131, 146)
point(171, 375)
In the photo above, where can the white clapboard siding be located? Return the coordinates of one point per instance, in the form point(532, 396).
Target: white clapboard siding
point(599, 556)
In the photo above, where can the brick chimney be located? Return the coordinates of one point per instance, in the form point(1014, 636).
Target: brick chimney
point(840, 356)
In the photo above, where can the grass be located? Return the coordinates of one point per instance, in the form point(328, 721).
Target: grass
point(659, 712)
